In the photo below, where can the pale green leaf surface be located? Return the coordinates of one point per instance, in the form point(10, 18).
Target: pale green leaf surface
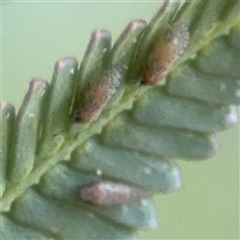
point(134, 147)
point(96, 56)
point(150, 172)
point(64, 219)
point(7, 119)
point(161, 141)
point(184, 113)
point(11, 229)
point(25, 132)
point(214, 75)
point(57, 105)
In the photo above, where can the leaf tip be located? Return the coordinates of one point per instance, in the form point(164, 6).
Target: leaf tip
point(5, 105)
point(163, 7)
point(136, 24)
point(37, 83)
point(68, 61)
point(99, 34)
point(232, 116)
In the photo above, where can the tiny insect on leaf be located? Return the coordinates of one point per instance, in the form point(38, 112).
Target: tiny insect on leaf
point(107, 193)
point(94, 103)
point(165, 53)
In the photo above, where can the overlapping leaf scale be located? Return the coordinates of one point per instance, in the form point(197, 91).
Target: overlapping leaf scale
point(64, 220)
point(162, 18)
point(26, 132)
point(143, 144)
point(93, 64)
point(199, 93)
point(150, 173)
point(37, 122)
point(134, 215)
point(23, 131)
point(207, 20)
point(43, 220)
point(195, 102)
point(116, 222)
point(7, 112)
point(171, 111)
point(63, 183)
point(214, 76)
point(120, 56)
point(57, 106)
point(159, 140)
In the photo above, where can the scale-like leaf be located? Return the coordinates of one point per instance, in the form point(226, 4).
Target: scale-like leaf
point(46, 156)
point(6, 127)
point(25, 132)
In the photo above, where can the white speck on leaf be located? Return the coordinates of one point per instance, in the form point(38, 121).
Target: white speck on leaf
point(223, 86)
point(148, 171)
point(99, 172)
point(71, 70)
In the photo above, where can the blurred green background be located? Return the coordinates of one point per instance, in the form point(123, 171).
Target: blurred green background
point(36, 34)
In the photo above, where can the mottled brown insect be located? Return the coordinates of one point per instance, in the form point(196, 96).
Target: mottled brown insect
point(165, 53)
point(107, 193)
point(94, 103)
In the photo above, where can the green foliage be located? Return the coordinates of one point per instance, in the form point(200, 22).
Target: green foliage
point(46, 157)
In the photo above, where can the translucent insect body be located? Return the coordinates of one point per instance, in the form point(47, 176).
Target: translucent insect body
point(165, 53)
point(95, 102)
point(106, 193)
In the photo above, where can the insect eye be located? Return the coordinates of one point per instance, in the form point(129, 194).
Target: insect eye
point(78, 119)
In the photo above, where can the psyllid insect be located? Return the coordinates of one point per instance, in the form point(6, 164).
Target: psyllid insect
point(165, 53)
point(107, 193)
point(94, 103)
